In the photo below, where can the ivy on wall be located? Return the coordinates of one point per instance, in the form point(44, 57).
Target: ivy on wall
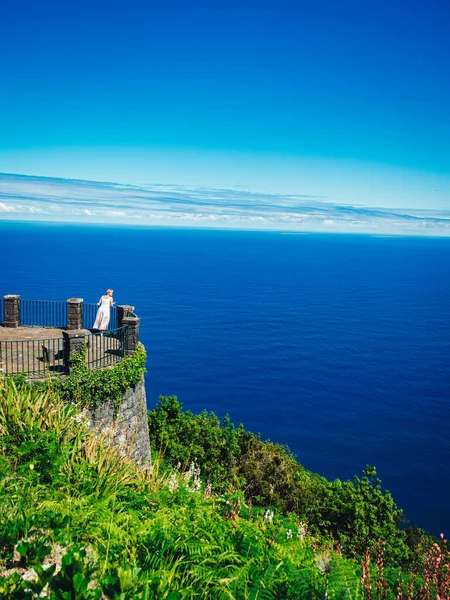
point(92, 387)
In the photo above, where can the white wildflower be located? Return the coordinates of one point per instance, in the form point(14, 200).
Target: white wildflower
point(30, 575)
point(173, 482)
point(289, 534)
point(193, 473)
point(197, 484)
point(187, 476)
point(268, 516)
point(323, 563)
point(301, 532)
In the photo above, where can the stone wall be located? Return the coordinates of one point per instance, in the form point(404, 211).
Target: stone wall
point(130, 428)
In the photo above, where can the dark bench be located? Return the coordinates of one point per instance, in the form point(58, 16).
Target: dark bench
point(46, 354)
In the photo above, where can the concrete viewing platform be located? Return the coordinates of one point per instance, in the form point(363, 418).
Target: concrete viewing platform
point(39, 351)
point(30, 333)
point(37, 338)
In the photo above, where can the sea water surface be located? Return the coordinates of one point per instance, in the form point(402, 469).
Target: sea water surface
point(336, 345)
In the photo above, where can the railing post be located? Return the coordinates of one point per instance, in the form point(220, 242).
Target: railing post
point(12, 310)
point(74, 313)
point(123, 311)
point(73, 342)
point(133, 332)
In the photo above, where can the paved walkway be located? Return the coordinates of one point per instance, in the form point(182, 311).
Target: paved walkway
point(29, 333)
point(39, 350)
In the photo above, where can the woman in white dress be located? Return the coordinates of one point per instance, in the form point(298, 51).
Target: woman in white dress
point(102, 318)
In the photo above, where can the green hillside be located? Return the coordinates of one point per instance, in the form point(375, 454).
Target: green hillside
point(220, 514)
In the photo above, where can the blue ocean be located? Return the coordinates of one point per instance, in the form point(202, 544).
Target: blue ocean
point(336, 345)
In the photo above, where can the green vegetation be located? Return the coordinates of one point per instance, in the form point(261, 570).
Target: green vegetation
point(356, 515)
point(91, 387)
point(78, 520)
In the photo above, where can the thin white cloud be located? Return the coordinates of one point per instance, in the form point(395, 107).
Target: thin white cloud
point(114, 213)
point(64, 199)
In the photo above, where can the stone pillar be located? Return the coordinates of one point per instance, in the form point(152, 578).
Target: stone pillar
point(123, 311)
point(133, 332)
point(74, 313)
point(12, 311)
point(73, 342)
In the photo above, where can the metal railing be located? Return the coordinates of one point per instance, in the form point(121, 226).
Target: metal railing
point(106, 349)
point(53, 313)
point(43, 313)
point(33, 357)
point(90, 312)
point(38, 357)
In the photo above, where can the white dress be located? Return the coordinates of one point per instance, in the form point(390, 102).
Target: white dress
point(102, 318)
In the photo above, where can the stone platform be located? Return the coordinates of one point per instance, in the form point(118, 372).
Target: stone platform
point(39, 351)
point(29, 333)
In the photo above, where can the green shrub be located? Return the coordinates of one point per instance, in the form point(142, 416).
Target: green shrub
point(273, 477)
point(183, 438)
point(359, 515)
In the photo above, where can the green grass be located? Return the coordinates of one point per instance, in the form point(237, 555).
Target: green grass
point(78, 520)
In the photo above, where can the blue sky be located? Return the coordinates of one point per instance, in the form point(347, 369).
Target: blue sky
point(343, 106)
